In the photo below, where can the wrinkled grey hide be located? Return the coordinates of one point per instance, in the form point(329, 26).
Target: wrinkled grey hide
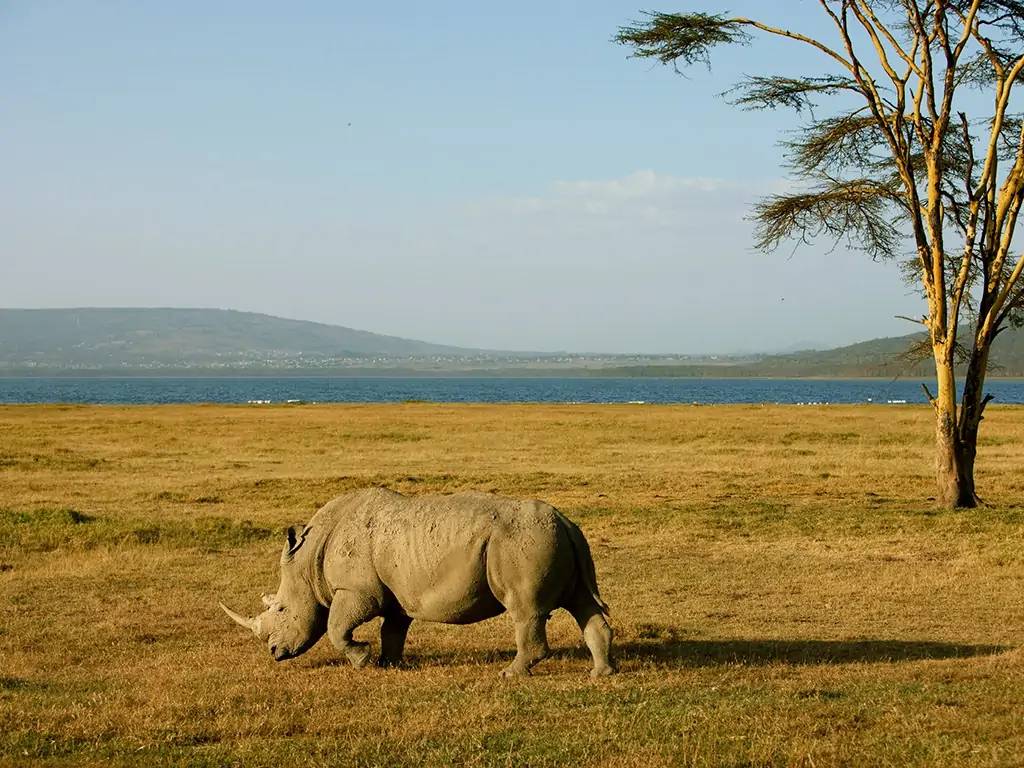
point(451, 559)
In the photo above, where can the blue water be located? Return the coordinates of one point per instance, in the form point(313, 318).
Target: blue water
point(130, 390)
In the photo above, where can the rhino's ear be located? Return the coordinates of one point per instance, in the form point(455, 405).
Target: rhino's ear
point(289, 546)
point(293, 543)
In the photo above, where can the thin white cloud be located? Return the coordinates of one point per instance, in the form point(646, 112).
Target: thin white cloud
point(639, 185)
point(642, 196)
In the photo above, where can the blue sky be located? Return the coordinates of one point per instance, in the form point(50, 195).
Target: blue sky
point(500, 178)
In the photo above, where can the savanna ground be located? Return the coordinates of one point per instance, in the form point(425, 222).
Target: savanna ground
point(782, 590)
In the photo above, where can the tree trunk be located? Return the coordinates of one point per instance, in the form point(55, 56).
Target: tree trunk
point(956, 440)
point(966, 451)
point(947, 464)
point(971, 410)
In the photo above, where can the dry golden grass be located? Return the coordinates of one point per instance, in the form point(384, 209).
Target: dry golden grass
point(782, 590)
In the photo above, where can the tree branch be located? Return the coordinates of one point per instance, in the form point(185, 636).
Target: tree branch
point(796, 36)
point(852, 209)
point(928, 394)
point(915, 320)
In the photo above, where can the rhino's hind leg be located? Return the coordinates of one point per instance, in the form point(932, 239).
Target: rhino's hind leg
point(597, 634)
point(531, 645)
point(392, 639)
point(348, 611)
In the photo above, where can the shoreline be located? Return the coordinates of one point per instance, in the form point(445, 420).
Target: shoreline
point(482, 375)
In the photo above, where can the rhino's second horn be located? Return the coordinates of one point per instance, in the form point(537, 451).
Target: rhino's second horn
point(249, 624)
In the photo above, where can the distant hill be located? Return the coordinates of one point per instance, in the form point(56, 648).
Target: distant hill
point(93, 340)
point(120, 338)
point(889, 357)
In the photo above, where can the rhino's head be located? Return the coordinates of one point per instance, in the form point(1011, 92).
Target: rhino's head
point(294, 619)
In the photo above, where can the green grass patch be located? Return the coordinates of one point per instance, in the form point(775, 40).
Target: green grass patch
point(48, 530)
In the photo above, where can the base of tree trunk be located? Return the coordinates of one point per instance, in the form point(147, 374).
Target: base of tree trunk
point(957, 493)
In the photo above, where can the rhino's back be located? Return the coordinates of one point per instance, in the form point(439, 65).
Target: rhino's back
point(431, 551)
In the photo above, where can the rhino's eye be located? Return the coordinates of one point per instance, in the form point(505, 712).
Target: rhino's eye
point(279, 609)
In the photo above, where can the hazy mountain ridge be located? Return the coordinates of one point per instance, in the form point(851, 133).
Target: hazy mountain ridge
point(205, 341)
point(211, 340)
point(891, 357)
point(887, 357)
point(90, 337)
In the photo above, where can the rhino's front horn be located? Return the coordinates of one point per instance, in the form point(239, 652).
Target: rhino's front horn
point(242, 621)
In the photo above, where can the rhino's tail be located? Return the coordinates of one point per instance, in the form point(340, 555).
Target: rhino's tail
point(584, 561)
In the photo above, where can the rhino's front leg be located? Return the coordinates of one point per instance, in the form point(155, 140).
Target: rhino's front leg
point(392, 639)
point(348, 611)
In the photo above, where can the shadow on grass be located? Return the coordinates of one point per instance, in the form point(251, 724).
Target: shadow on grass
point(20, 684)
point(704, 653)
point(710, 653)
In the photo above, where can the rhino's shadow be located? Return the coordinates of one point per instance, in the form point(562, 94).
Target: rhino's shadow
point(674, 652)
point(754, 652)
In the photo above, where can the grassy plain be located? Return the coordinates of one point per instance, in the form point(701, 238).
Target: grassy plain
point(782, 590)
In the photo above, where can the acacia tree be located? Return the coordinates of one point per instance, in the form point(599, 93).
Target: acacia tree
point(899, 160)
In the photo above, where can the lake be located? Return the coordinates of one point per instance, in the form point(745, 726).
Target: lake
point(139, 390)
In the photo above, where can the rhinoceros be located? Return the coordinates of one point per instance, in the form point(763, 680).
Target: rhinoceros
point(453, 559)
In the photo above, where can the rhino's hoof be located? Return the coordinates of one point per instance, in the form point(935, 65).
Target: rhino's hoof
point(514, 671)
point(358, 656)
point(602, 671)
point(385, 663)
